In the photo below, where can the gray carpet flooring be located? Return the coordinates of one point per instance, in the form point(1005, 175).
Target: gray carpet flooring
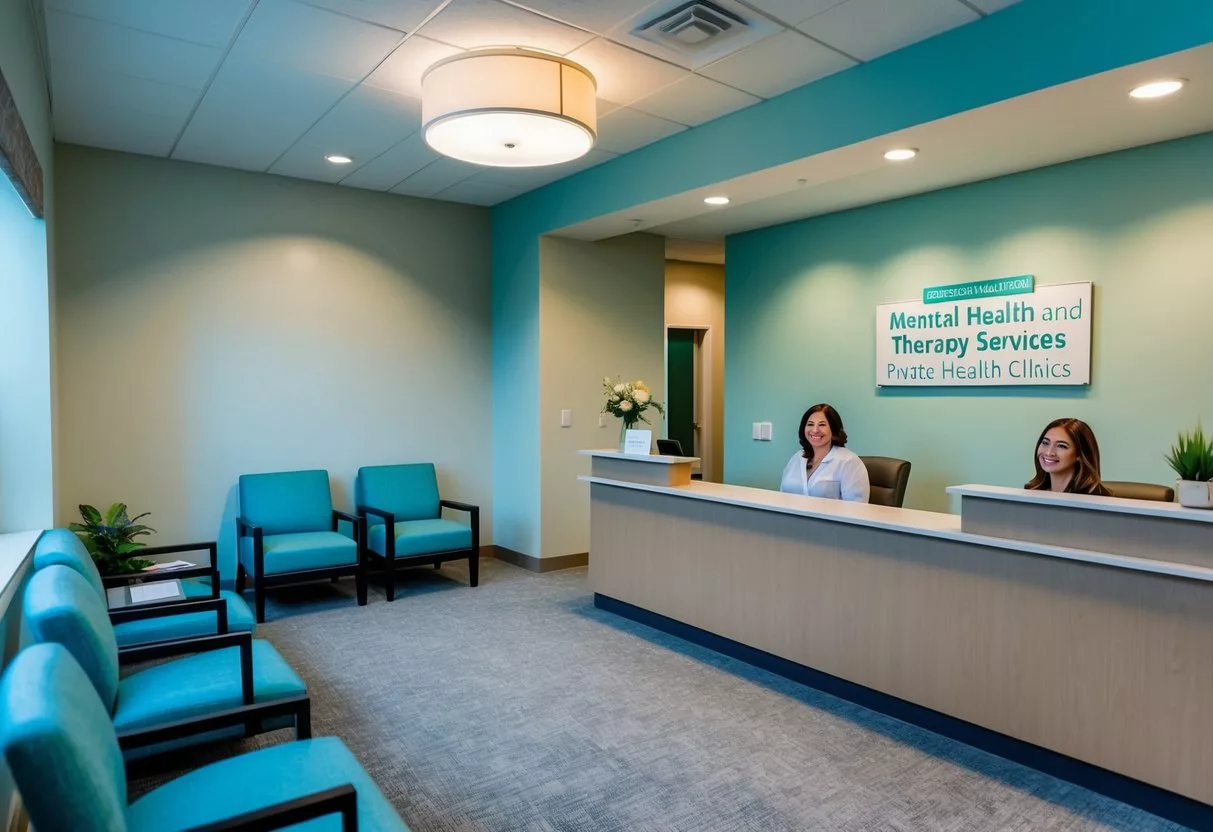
point(519, 706)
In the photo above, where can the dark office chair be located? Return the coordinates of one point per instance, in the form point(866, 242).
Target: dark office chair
point(887, 478)
point(669, 447)
point(1141, 491)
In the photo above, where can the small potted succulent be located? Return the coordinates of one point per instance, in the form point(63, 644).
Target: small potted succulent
point(110, 539)
point(1192, 460)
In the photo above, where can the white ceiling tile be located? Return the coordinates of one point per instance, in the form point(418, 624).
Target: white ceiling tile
point(991, 6)
point(471, 24)
point(792, 12)
point(105, 46)
point(625, 75)
point(595, 15)
point(477, 193)
point(777, 64)
point(209, 22)
point(403, 69)
point(694, 100)
point(625, 129)
point(366, 123)
point(405, 15)
point(867, 29)
point(436, 176)
point(393, 166)
point(314, 40)
point(75, 84)
point(306, 161)
point(131, 131)
point(254, 111)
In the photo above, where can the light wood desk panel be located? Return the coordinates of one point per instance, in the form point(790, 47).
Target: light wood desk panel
point(1108, 665)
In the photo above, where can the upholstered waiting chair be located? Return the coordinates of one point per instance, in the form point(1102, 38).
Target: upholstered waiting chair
point(1141, 491)
point(887, 480)
point(64, 756)
point(228, 686)
point(404, 499)
point(205, 611)
point(287, 533)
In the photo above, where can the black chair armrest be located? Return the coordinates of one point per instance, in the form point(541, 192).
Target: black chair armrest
point(186, 646)
point(386, 516)
point(459, 506)
point(244, 528)
point(243, 715)
point(142, 613)
point(341, 800)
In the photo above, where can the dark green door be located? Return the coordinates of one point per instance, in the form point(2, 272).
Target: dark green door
point(680, 387)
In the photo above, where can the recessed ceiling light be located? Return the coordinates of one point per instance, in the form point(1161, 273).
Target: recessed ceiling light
point(338, 159)
point(1157, 89)
point(717, 200)
point(900, 154)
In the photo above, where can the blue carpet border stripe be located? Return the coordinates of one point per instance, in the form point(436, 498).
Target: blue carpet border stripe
point(1157, 801)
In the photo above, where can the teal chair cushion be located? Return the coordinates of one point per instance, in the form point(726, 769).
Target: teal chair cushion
point(287, 502)
point(295, 552)
point(263, 778)
point(63, 547)
point(202, 683)
point(408, 491)
point(60, 606)
point(60, 746)
point(421, 537)
point(189, 625)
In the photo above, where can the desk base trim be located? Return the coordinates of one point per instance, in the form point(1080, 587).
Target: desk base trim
point(1165, 804)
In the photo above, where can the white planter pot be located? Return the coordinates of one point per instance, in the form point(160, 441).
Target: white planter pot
point(1194, 494)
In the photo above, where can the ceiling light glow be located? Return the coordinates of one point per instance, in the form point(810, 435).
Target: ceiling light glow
point(512, 108)
point(717, 200)
point(337, 159)
point(1157, 89)
point(900, 154)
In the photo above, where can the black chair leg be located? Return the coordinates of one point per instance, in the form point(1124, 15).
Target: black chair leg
point(389, 580)
point(259, 592)
point(303, 721)
point(474, 568)
point(240, 579)
point(360, 583)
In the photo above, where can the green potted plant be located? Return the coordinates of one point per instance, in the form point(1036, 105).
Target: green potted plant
point(111, 539)
point(1192, 459)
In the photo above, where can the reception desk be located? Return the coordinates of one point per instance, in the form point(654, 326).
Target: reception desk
point(1053, 635)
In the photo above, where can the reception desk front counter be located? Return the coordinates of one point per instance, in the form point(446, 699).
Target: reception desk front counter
point(1049, 633)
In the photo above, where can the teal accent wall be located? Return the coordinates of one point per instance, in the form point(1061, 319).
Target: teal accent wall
point(1030, 46)
point(801, 301)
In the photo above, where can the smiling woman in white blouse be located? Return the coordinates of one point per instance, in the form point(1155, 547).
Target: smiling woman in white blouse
point(824, 467)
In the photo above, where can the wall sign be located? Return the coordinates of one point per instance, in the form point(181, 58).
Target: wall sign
point(1007, 331)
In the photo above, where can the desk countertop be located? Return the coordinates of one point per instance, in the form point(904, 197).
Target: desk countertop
point(900, 520)
point(1088, 502)
point(657, 459)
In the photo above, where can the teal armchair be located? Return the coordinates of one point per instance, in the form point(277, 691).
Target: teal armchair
point(206, 610)
point(60, 746)
point(286, 533)
point(403, 525)
point(216, 687)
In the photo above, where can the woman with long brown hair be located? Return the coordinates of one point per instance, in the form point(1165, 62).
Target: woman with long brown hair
point(1067, 459)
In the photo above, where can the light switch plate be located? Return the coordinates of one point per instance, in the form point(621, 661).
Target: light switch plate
point(602, 419)
point(566, 418)
point(765, 431)
point(756, 431)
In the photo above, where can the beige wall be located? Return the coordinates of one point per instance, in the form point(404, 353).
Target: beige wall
point(600, 311)
point(214, 322)
point(694, 297)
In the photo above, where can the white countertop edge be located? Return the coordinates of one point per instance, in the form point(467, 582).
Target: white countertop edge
point(16, 549)
point(1089, 502)
point(948, 530)
point(657, 458)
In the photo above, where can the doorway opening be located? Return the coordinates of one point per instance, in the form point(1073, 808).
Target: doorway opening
point(689, 393)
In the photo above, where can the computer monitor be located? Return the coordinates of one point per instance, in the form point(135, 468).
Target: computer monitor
point(669, 447)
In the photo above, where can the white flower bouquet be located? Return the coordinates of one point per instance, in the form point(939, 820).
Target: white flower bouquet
point(628, 400)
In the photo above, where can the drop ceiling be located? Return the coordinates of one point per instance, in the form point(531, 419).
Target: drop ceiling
point(1083, 118)
point(275, 85)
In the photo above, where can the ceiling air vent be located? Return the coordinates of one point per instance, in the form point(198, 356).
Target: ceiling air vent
point(694, 33)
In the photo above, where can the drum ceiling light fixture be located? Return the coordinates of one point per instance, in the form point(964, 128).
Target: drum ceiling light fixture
point(512, 108)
